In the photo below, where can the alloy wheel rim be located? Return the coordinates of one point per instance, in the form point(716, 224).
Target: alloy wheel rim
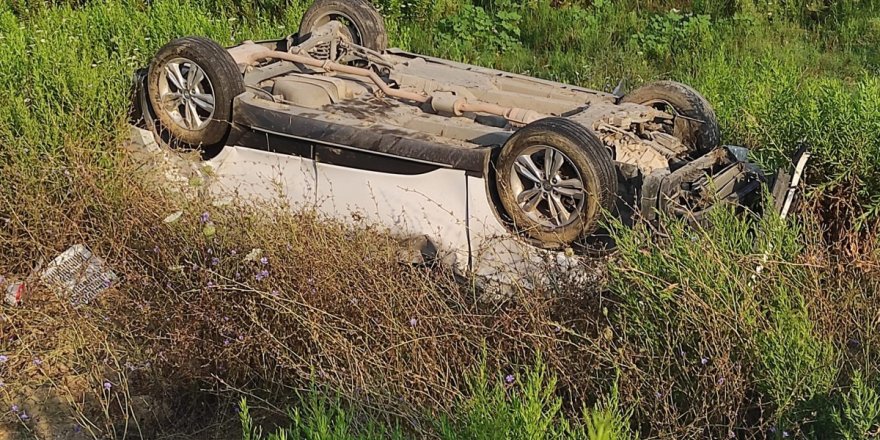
point(547, 187)
point(186, 94)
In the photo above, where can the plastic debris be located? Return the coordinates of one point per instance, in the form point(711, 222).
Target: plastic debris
point(14, 293)
point(173, 217)
point(79, 275)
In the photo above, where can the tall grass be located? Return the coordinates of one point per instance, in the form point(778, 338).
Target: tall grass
point(682, 336)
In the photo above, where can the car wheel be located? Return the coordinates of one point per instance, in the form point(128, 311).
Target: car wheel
point(364, 25)
point(191, 84)
point(695, 122)
point(554, 180)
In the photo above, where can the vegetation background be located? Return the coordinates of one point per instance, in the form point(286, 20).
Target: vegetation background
point(681, 338)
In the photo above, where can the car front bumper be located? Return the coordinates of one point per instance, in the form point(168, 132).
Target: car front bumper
point(722, 176)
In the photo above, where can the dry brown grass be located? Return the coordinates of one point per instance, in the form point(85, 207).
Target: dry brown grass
point(193, 322)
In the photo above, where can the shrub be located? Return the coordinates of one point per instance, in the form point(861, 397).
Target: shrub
point(475, 28)
point(860, 413)
point(675, 34)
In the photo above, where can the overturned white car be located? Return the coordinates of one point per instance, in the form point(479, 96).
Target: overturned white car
point(460, 153)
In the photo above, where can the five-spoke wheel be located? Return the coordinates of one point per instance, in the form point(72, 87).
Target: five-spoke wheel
point(191, 85)
point(554, 179)
point(186, 93)
point(548, 187)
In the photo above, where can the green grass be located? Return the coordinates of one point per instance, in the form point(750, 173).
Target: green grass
point(513, 407)
point(686, 340)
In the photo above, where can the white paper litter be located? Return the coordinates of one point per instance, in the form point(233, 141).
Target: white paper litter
point(79, 275)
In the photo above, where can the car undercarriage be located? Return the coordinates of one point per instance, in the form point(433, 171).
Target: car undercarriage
point(554, 157)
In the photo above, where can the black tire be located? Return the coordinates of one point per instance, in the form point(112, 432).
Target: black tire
point(585, 154)
point(699, 127)
point(365, 24)
point(221, 76)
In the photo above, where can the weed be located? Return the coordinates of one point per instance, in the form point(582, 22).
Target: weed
point(512, 407)
point(674, 34)
point(690, 341)
point(473, 28)
point(860, 413)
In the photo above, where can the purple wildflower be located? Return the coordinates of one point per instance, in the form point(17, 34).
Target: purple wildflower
point(24, 416)
point(704, 361)
point(156, 250)
point(720, 381)
point(233, 252)
point(205, 217)
point(658, 395)
point(107, 385)
point(275, 293)
point(413, 322)
point(226, 341)
point(264, 261)
point(784, 434)
point(3, 358)
point(38, 362)
point(215, 261)
point(210, 284)
point(262, 275)
point(14, 408)
point(509, 378)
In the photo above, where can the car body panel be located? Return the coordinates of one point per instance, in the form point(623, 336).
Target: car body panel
point(433, 204)
point(257, 175)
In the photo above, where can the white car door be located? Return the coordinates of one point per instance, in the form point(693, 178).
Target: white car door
point(258, 175)
point(408, 198)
